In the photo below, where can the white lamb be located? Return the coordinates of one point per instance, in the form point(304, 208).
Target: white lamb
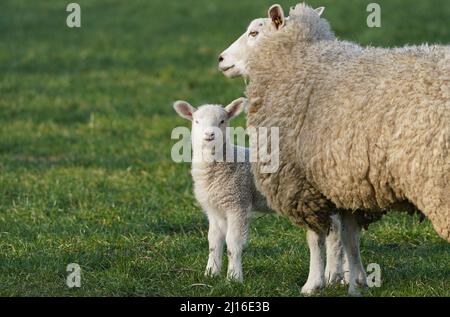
point(224, 188)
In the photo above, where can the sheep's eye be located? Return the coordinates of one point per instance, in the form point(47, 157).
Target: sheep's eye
point(196, 121)
point(253, 33)
point(221, 122)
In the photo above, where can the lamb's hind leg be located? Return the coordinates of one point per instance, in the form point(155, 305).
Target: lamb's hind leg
point(334, 270)
point(316, 277)
point(350, 240)
point(237, 232)
point(216, 240)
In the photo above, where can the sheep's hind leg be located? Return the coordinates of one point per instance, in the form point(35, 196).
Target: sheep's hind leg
point(236, 239)
point(334, 271)
point(216, 239)
point(350, 239)
point(316, 277)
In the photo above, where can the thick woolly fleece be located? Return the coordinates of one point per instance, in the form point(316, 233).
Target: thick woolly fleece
point(361, 128)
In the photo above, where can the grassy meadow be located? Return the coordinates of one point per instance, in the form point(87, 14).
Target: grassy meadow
point(85, 170)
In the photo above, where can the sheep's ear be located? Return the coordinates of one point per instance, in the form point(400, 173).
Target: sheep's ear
point(184, 109)
point(235, 107)
point(319, 10)
point(276, 14)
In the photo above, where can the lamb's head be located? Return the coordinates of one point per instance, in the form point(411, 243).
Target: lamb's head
point(233, 61)
point(209, 122)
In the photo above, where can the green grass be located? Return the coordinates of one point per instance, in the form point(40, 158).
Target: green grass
point(85, 168)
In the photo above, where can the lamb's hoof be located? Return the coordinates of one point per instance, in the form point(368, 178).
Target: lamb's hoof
point(311, 288)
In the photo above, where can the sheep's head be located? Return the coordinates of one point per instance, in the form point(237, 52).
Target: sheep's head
point(209, 122)
point(233, 61)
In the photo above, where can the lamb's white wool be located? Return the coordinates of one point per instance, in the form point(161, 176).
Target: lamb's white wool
point(224, 189)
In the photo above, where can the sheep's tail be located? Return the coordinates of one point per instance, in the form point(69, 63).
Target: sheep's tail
point(432, 196)
point(423, 165)
point(437, 209)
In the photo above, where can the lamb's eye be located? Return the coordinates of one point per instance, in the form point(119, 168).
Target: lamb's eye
point(196, 121)
point(221, 122)
point(253, 33)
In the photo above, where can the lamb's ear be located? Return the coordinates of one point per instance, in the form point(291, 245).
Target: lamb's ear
point(319, 10)
point(235, 107)
point(276, 14)
point(184, 109)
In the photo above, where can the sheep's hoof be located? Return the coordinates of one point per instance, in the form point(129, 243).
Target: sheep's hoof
point(346, 279)
point(361, 281)
point(233, 276)
point(311, 288)
point(212, 272)
point(335, 278)
point(354, 292)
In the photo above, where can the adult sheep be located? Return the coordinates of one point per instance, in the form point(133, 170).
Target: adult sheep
point(361, 128)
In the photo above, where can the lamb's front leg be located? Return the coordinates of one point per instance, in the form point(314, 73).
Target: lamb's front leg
point(316, 277)
point(236, 238)
point(216, 239)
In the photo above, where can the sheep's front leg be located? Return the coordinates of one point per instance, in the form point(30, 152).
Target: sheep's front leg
point(316, 277)
point(216, 239)
point(350, 239)
point(346, 280)
point(236, 238)
point(334, 270)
